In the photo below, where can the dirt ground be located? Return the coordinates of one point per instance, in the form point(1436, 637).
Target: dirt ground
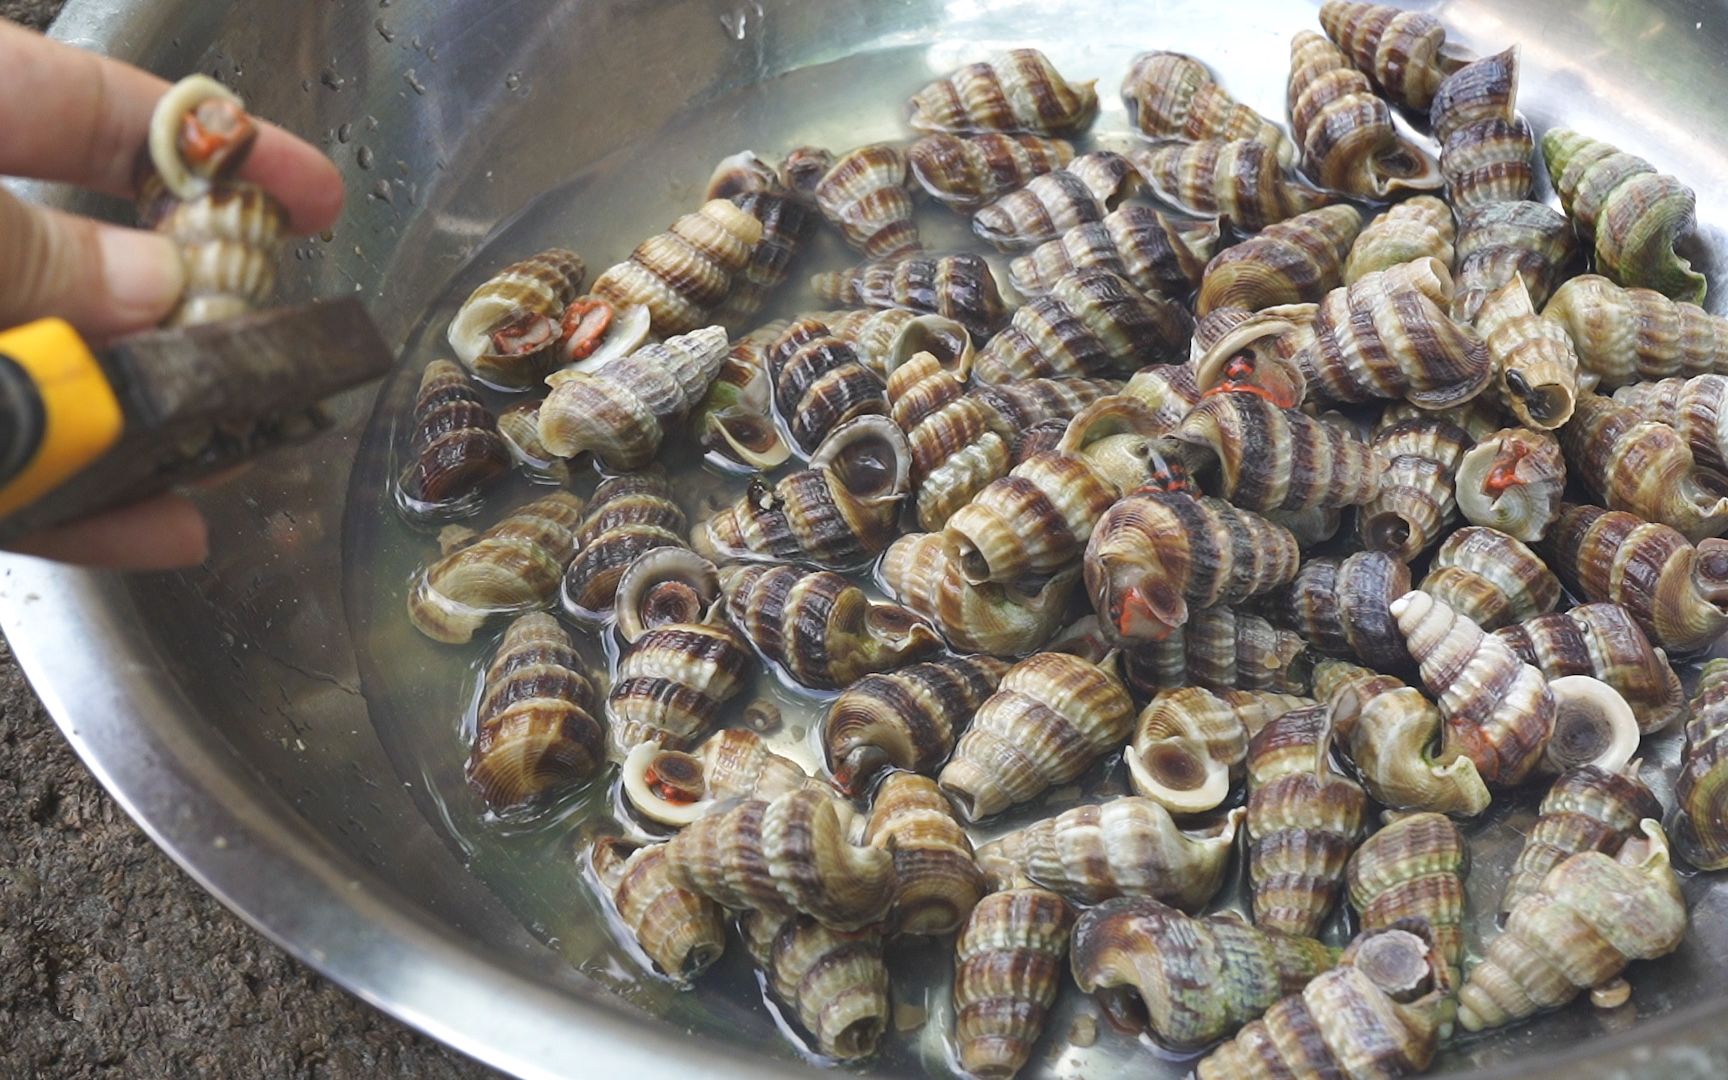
point(114, 964)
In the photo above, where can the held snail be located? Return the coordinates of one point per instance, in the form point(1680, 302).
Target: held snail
point(1007, 970)
point(1015, 91)
point(1159, 254)
point(967, 172)
point(907, 719)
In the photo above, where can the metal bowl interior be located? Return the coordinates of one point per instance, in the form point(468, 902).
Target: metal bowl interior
point(223, 706)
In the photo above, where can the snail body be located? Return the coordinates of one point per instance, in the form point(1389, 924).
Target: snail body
point(1512, 480)
point(505, 330)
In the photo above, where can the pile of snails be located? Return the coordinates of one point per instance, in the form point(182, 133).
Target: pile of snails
point(1337, 522)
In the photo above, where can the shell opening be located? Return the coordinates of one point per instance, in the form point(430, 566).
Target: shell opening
point(626, 332)
point(665, 786)
point(1386, 531)
point(1546, 404)
point(859, 1038)
point(1710, 571)
point(762, 716)
point(1124, 1009)
point(859, 767)
point(1148, 611)
point(1396, 961)
point(741, 174)
point(1593, 725)
point(941, 337)
point(871, 457)
point(1179, 774)
point(752, 440)
point(523, 334)
point(1611, 994)
point(896, 626)
point(666, 585)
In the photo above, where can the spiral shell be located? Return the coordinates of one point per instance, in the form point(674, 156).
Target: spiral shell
point(1587, 809)
point(513, 567)
point(1015, 91)
point(630, 516)
point(1221, 649)
point(1590, 917)
point(1537, 366)
point(519, 427)
point(1345, 131)
point(1418, 459)
point(967, 172)
point(1237, 180)
point(1007, 970)
point(621, 412)
point(1500, 241)
point(1079, 193)
point(1171, 95)
point(864, 196)
point(1513, 481)
point(1303, 821)
point(735, 418)
point(681, 932)
point(1485, 146)
point(1697, 408)
point(1341, 607)
point(1627, 335)
point(1700, 826)
point(1127, 846)
point(787, 220)
point(819, 382)
point(1189, 981)
point(886, 338)
point(907, 719)
point(1091, 323)
point(1491, 578)
point(1169, 390)
point(1003, 620)
point(1189, 742)
point(958, 287)
point(1160, 255)
point(672, 682)
point(1155, 554)
point(505, 330)
point(1255, 351)
point(937, 882)
point(834, 981)
point(820, 627)
point(1413, 869)
point(684, 274)
point(675, 788)
point(535, 732)
point(1270, 458)
point(1635, 213)
point(1290, 262)
point(1603, 642)
point(1404, 52)
point(1643, 467)
point(1416, 228)
point(1390, 732)
point(840, 511)
point(455, 449)
point(1498, 710)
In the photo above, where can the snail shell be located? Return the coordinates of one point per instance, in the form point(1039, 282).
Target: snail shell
point(967, 172)
point(1500, 241)
point(1052, 715)
point(1303, 821)
point(1189, 981)
point(1007, 971)
point(937, 882)
point(1239, 180)
point(1171, 95)
point(1404, 52)
point(1015, 91)
point(1348, 141)
point(1160, 255)
point(680, 931)
point(1341, 607)
point(742, 173)
point(1003, 620)
point(1636, 213)
point(1587, 809)
point(630, 516)
point(667, 584)
point(1127, 846)
point(1413, 869)
point(1289, 262)
point(958, 287)
point(228, 239)
point(1498, 710)
point(1221, 649)
point(820, 627)
point(1418, 228)
point(1643, 467)
point(1155, 554)
point(1079, 193)
point(1491, 578)
point(834, 981)
point(675, 788)
point(672, 682)
point(1700, 826)
point(907, 719)
point(1697, 408)
point(505, 330)
point(685, 273)
point(1091, 323)
point(789, 855)
point(1625, 335)
point(1418, 460)
point(787, 222)
point(1604, 642)
point(1270, 458)
point(887, 338)
point(535, 731)
point(1590, 917)
point(512, 567)
point(1189, 742)
point(1257, 351)
point(819, 382)
point(519, 427)
point(1513, 481)
point(736, 417)
point(1538, 368)
point(1485, 146)
point(1390, 732)
point(455, 449)
point(864, 196)
point(1169, 390)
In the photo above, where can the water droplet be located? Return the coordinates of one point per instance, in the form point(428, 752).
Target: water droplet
point(327, 235)
point(305, 86)
point(371, 123)
point(343, 132)
point(432, 53)
point(363, 157)
point(413, 81)
point(384, 31)
point(417, 43)
point(513, 81)
point(741, 20)
point(381, 191)
point(332, 80)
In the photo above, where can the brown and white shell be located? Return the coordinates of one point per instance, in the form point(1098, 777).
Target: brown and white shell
point(1272, 458)
point(907, 719)
point(536, 735)
point(1189, 743)
point(1160, 254)
point(937, 881)
point(1625, 335)
point(1015, 91)
point(505, 330)
point(683, 275)
point(1007, 971)
point(681, 932)
point(454, 449)
point(966, 172)
point(513, 567)
point(995, 618)
point(672, 683)
point(1697, 408)
point(833, 981)
point(1604, 642)
point(630, 516)
point(1404, 52)
point(1220, 648)
point(1500, 241)
point(1587, 809)
point(1700, 823)
point(1172, 95)
point(820, 382)
point(1091, 323)
point(1418, 460)
point(864, 196)
point(735, 419)
point(1342, 607)
point(1346, 133)
point(672, 787)
point(1491, 578)
point(960, 287)
point(1486, 148)
point(1412, 870)
point(1079, 193)
point(1644, 467)
point(1239, 180)
point(1294, 261)
point(1538, 370)
point(1512, 480)
point(1417, 228)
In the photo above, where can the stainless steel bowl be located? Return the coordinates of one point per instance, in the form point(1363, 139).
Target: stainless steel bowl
point(223, 706)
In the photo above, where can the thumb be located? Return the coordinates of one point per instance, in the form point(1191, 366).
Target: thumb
point(103, 279)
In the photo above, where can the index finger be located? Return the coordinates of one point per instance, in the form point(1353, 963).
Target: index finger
point(70, 115)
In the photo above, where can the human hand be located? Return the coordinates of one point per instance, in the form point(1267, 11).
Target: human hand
point(72, 116)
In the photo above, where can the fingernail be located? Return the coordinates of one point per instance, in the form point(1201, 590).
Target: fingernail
point(141, 269)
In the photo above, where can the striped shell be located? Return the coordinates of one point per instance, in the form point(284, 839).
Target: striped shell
point(630, 516)
point(1255, 351)
point(1587, 809)
point(672, 683)
point(1003, 620)
point(833, 981)
point(1079, 193)
point(1341, 607)
point(864, 196)
point(1289, 262)
point(1491, 578)
point(1498, 710)
point(1238, 180)
point(535, 732)
point(968, 171)
point(621, 412)
point(1169, 390)
point(454, 450)
point(1486, 148)
point(512, 567)
point(1007, 971)
point(1635, 213)
point(819, 382)
point(1348, 141)
point(1404, 52)
point(1513, 481)
point(1538, 369)
point(1189, 742)
point(685, 273)
point(1591, 916)
point(1155, 554)
point(886, 338)
point(1171, 95)
point(519, 427)
point(1091, 323)
point(1697, 408)
point(228, 239)
point(1303, 821)
point(820, 627)
point(681, 932)
point(672, 787)
point(1643, 467)
point(1221, 649)
point(1188, 981)
point(1127, 846)
point(1625, 335)
point(936, 881)
point(1418, 228)
point(735, 418)
point(1052, 715)
point(1391, 732)
point(1413, 869)
point(1159, 254)
point(1700, 825)
point(1014, 91)
point(1603, 642)
point(1500, 241)
point(1416, 504)
point(1268, 458)
point(959, 287)
point(787, 221)
point(907, 719)
point(504, 331)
